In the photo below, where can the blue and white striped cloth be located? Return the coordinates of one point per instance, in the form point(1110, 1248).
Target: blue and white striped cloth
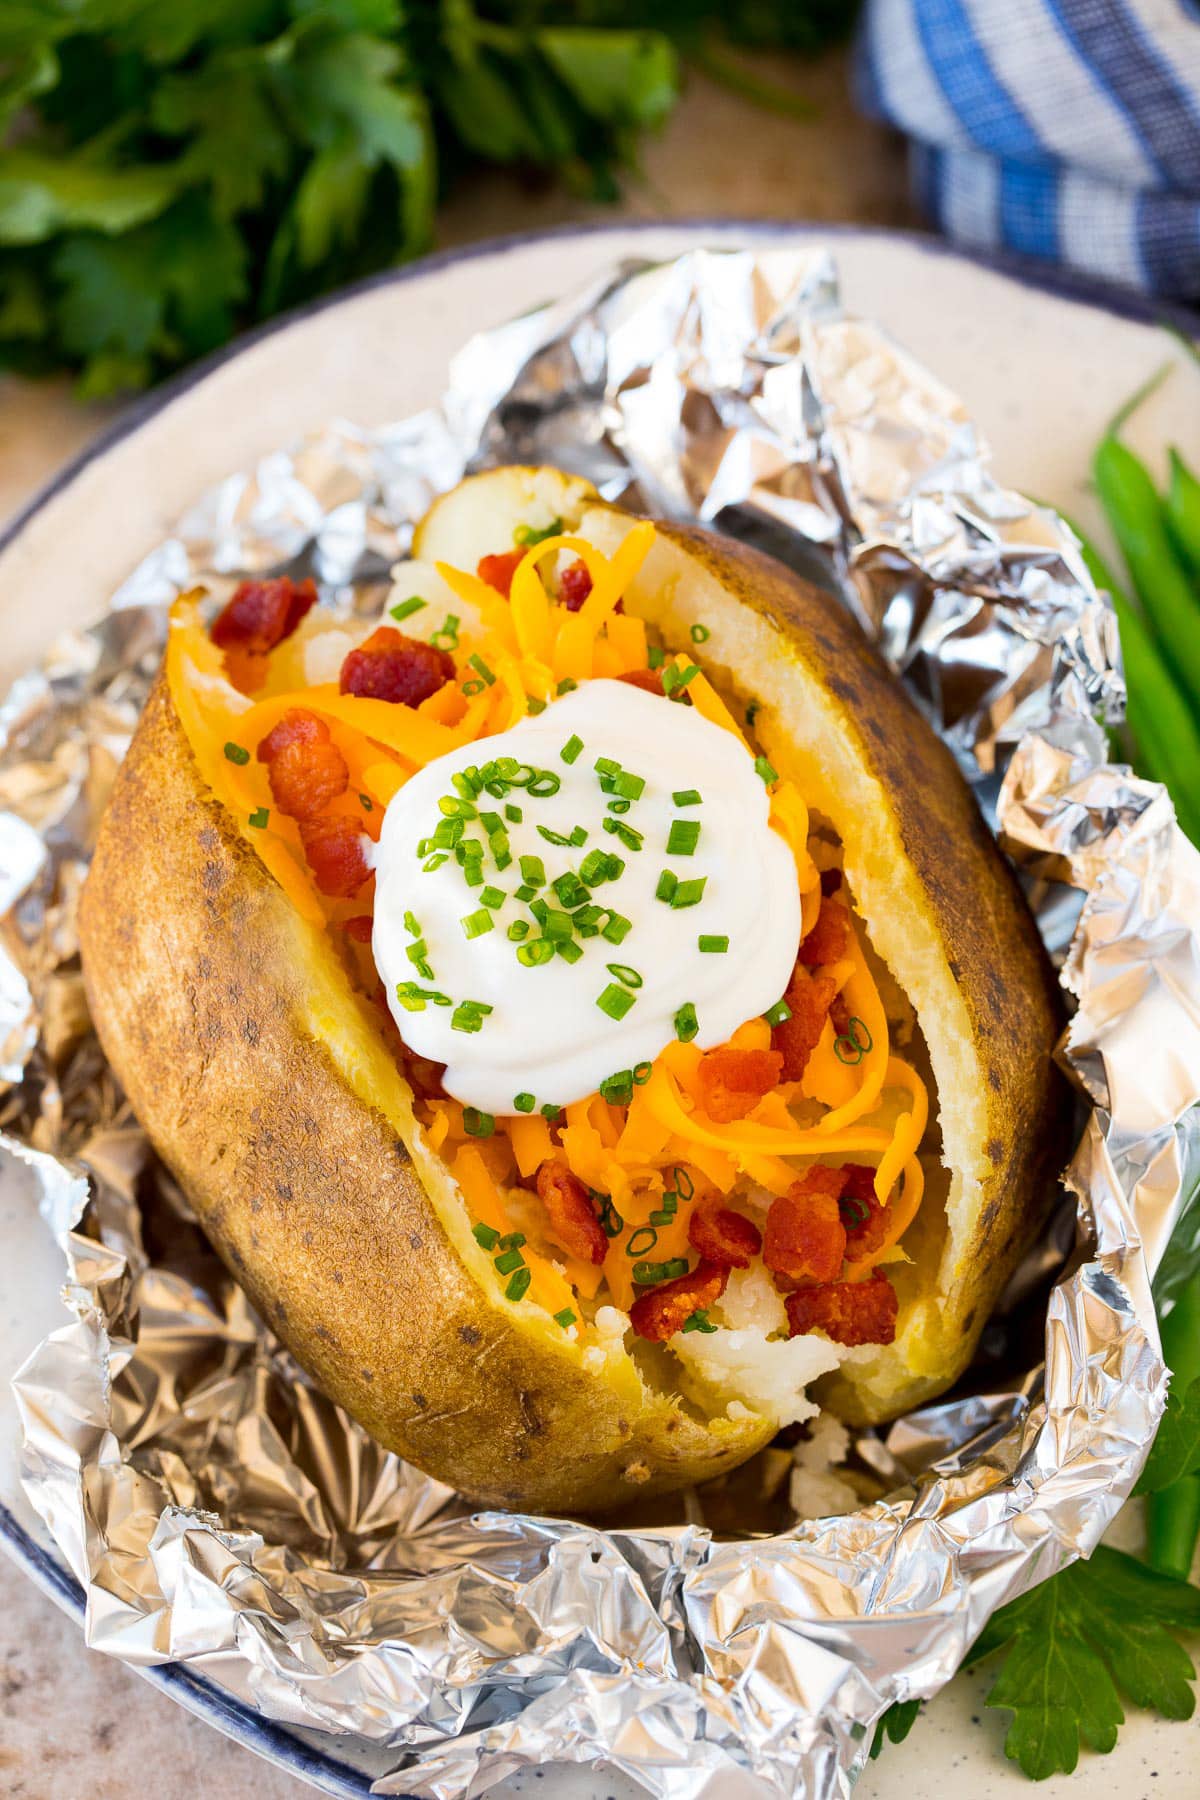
point(1063, 129)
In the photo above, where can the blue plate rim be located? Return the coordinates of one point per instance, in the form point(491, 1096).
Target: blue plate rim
point(1025, 271)
point(204, 1698)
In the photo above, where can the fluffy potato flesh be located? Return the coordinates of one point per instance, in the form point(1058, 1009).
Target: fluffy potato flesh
point(293, 1131)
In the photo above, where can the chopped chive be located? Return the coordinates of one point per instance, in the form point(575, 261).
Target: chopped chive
point(536, 952)
point(629, 836)
point(642, 1073)
point(478, 1124)
point(515, 1240)
point(662, 1218)
point(518, 929)
point(525, 1102)
point(689, 893)
point(604, 765)
point(569, 950)
point(410, 924)
point(699, 1321)
point(557, 926)
point(486, 1236)
point(453, 806)
point(627, 786)
point(634, 1248)
point(668, 882)
point(619, 806)
point(683, 837)
point(762, 767)
point(534, 705)
point(570, 889)
point(654, 657)
point(686, 1023)
point(524, 892)
point(775, 1015)
point(618, 1089)
point(624, 974)
point(518, 1285)
point(565, 1318)
point(259, 817)
point(554, 837)
point(481, 669)
point(471, 688)
point(676, 679)
point(551, 1112)
point(477, 923)
point(237, 753)
point(713, 945)
point(544, 783)
point(533, 871)
point(578, 837)
point(686, 797)
point(617, 929)
point(593, 867)
point(404, 609)
point(571, 749)
point(491, 897)
point(527, 535)
point(700, 634)
point(615, 1001)
point(539, 909)
point(435, 861)
point(367, 804)
point(468, 1016)
point(513, 814)
point(508, 1261)
point(446, 635)
point(566, 686)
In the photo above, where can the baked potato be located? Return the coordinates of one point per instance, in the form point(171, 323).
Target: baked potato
point(835, 1165)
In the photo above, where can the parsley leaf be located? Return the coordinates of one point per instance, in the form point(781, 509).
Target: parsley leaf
point(1176, 1449)
point(895, 1724)
point(1075, 1644)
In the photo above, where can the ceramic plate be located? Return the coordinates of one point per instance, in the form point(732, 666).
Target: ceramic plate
point(1040, 366)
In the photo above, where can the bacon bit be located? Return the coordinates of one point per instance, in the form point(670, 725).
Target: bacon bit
point(849, 1312)
point(829, 939)
point(866, 1221)
point(260, 614)
point(808, 998)
point(574, 1226)
point(361, 928)
point(649, 680)
point(334, 848)
point(307, 777)
point(575, 584)
point(665, 1309)
point(724, 1236)
point(732, 1082)
point(831, 880)
point(297, 726)
point(498, 571)
point(390, 666)
point(805, 1239)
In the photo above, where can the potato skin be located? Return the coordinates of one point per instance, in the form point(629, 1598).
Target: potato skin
point(196, 964)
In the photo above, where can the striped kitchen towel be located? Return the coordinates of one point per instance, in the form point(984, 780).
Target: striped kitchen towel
point(1065, 129)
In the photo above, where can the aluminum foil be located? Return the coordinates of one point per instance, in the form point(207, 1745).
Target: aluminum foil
point(216, 1508)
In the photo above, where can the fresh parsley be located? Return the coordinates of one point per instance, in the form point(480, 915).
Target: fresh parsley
point(1074, 1646)
point(1175, 1453)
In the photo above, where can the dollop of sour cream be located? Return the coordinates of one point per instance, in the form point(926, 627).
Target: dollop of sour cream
point(701, 911)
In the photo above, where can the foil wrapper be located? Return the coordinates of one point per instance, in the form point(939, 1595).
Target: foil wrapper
point(216, 1508)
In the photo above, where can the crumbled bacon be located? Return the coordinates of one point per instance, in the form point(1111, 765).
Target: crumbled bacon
point(297, 726)
point(361, 928)
point(805, 1239)
point(649, 680)
point(260, 614)
point(866, 1221)
point(306, 777)
point(723, 1236)
point(808, 999)
point(498, 571)
point(402, 670)
point(831, 880)
point(573, 1224)
point(575, 584)
point(334, 848)
point(665, 1309)
point(829, 939)
point(423, 1076)
point(732, 1082)
point(849, 1312)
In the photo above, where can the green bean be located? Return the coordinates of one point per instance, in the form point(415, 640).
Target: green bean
point(1136, 515)
point(1160, 719)
point(1173, 1516)
point(1183, 513)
